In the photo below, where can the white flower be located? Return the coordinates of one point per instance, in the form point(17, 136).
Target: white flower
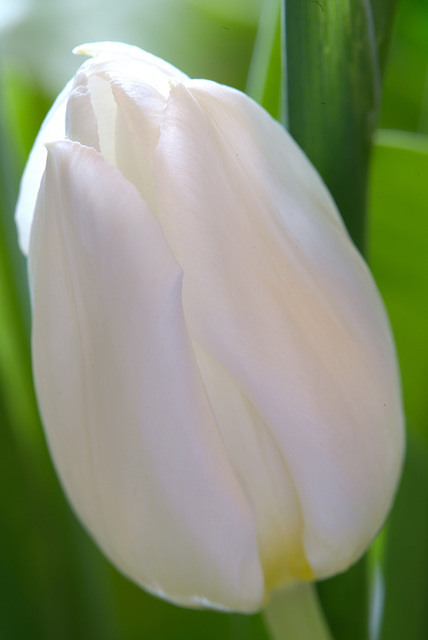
point(214, 367)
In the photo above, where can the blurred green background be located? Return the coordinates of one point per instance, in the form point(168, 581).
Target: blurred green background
point(54, 583)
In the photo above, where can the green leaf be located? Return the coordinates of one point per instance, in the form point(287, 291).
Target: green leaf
point(383, 19)
point(52, 581)
point(345, 601)
point(399, 260)
point(15, 367)
point(406, 552)
point(266, 72)
point(405, 104)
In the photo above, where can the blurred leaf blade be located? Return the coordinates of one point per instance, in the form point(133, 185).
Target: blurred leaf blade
point(405, 563)
point(15, 366)
point(405, 104)
point(266, 72)
point(345, 601)
point(50, 584)
point(383, 19)
point(399, 260)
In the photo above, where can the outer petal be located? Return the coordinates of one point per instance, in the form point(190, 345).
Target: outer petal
point(262, 469)
point(53, 128)
point(127, 419)
point(275, 292)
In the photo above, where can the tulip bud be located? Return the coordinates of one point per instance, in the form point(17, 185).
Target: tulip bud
point(214, 367)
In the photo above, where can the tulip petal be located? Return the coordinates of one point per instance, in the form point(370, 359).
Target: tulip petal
point(276, 293)
point(139, 113)
point(134, 129)
point(53, 128)
point(126, 61)
point(260, 467)
point(153, 68)
point(81, 119)
point(126, 415)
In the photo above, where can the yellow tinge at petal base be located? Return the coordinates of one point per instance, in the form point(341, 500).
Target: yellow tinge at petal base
point(214, 366)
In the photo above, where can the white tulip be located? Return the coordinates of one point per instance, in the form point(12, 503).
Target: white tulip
point(213, 363)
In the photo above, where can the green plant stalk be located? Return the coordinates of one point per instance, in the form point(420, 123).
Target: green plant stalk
point(333, 93)
point(295, 614)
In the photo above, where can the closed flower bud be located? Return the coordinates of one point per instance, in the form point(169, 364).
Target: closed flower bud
point(213, 363)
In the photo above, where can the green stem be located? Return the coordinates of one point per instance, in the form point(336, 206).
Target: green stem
point(295, 614)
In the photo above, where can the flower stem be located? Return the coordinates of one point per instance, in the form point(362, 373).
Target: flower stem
point(295, 614)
